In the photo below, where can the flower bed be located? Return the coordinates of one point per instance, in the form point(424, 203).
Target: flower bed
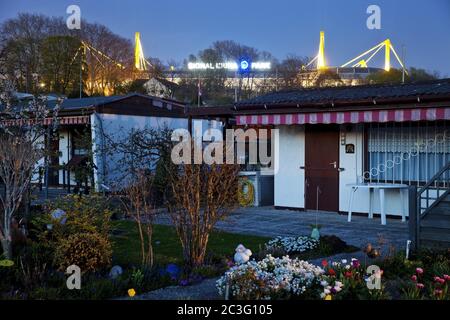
point(286, 278)
point(292, 244)
point(278, 278)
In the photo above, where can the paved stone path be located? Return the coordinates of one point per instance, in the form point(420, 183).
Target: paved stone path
point(206, 290)
point(267, 221)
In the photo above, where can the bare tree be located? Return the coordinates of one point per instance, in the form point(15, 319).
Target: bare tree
point(22, 127)
point(202, 195)
point(138, 205)
point(140, 154)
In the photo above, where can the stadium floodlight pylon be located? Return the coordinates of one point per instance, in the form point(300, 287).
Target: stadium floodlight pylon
point(359, 61)
point(320, 57)
point(140, 63)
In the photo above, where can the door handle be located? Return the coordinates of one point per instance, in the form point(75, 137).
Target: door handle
point(334, 164)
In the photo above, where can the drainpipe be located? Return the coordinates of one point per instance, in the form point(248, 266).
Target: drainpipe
point(102, 153)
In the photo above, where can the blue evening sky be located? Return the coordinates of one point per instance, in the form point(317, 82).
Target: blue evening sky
point(172, 29)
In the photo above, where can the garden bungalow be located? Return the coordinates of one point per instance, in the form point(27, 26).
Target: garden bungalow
point(95, 118)
point(330, 138)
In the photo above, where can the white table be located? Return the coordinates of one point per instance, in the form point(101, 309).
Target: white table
point(381, 187)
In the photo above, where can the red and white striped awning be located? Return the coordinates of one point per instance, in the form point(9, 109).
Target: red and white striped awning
point(397, 115)
point(47, 121)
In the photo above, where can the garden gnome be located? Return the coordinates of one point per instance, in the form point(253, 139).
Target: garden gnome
point(242, 254)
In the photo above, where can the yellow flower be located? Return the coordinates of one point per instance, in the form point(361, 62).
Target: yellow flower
point(328, 297)
point(131, 292)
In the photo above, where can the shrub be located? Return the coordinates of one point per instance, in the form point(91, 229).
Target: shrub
point(33, 264)
point(89, 251)
point(81, 235)
point(83, 214)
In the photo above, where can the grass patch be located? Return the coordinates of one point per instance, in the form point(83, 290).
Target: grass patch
point(167, 247)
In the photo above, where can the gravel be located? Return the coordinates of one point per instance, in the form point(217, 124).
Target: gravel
point(206, 290)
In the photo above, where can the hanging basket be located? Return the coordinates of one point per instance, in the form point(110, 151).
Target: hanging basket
point(246, 192)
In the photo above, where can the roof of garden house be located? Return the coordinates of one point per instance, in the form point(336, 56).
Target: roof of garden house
point(89, 102)
point(132, 104)
point(435, 90)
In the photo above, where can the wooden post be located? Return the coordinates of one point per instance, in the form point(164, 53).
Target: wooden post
point(68, 179)
point(64, 175)
point(413, 219)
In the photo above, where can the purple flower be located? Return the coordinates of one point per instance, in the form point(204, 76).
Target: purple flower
point(355, 263)
point(184, 282)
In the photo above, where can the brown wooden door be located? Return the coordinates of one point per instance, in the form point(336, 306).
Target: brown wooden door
point(321, 167)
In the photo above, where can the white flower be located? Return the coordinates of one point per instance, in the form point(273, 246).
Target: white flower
point(344, 261)
point(337, 288)
point(279, 275)
point(293, 244)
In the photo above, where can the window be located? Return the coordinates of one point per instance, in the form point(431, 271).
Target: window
point(407, 152)
point(80, 143)
point(256, 145)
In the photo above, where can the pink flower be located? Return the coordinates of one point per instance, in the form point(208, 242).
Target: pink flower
point(420, 286)
point(324, 263)
point(419, 270)
point(438, 292)
point(440, 280)
point(414, 278)
point(447, 277)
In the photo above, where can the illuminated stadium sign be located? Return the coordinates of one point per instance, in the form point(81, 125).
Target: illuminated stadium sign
point(241, 65)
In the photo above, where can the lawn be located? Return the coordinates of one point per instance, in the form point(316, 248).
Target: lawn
point(166, 245)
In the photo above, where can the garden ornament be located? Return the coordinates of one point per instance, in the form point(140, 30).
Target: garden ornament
point(242, 254)
point(315, 234)
point(173, 270)
point(115, 272)
point(60, 215)
point(371, 251)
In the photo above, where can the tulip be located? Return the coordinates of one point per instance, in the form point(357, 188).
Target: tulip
point(131, 292)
